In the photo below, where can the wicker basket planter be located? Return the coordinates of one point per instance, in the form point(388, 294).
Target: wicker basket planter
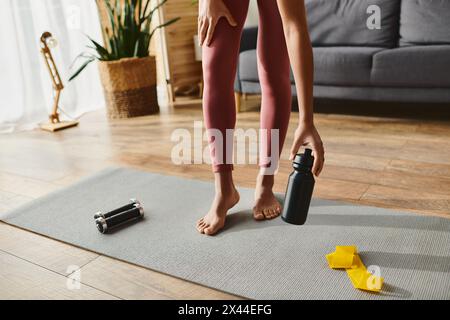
point(130, 87)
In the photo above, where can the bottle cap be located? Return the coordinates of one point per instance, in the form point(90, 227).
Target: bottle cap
point(304, 160)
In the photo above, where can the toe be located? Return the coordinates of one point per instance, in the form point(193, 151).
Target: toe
point(210, 230)
point(276, 212)
point(258, 214)
point(273, 214)
point(203, 225)
point(267, 213)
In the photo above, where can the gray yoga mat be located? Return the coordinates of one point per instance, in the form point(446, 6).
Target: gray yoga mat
point(263, 260)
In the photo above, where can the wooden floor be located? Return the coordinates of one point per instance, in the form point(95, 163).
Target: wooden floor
point(387, 162)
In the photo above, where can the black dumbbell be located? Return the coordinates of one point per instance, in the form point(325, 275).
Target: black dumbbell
point(105, 224)
point(126, 207)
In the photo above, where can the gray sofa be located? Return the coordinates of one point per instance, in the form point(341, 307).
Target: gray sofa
point(406, 60)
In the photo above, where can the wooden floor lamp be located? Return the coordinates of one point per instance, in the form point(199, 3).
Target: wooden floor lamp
point(55, 124)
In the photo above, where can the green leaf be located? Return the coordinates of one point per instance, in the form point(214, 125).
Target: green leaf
point(81, 55)
point(102, 51)
point(113, 45)
point(144, 41)
point(168, 23)
point(145, 9)
point(139, 6)
point(81, 68)
point(112, 22)
point(150, 15)
point(157, 7)
point(136, 48)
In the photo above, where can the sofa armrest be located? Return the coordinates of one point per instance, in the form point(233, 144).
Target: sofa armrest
point(248, 39)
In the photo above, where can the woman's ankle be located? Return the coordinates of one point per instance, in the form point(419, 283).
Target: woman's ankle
point(265, 181)
point(224, 182)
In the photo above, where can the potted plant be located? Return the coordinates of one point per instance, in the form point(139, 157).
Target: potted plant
point(127, 71)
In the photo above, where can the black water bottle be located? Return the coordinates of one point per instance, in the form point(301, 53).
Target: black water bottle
point(299, 189)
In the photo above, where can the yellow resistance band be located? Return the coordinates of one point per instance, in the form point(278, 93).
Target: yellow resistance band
point(346, 257)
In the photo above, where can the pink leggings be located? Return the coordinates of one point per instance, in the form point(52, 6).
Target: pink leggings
point(219, 71)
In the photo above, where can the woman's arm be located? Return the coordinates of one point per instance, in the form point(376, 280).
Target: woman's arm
point(293, 14)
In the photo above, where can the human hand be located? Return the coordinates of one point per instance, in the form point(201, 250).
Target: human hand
point(210, 11)
point(306, 135)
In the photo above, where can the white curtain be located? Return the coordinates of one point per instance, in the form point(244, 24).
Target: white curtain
point(26, 93)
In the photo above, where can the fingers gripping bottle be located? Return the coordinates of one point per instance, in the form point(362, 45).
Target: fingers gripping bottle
point(299, 189)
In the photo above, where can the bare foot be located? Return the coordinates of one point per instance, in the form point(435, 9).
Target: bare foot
point(266, 205)
point(226, 197)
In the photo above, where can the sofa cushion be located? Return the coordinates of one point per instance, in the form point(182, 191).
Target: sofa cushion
point(344, 22)
point(333, 65)
point(248, 67)
point(425, 22)
point(343, 65)
point(417, 66)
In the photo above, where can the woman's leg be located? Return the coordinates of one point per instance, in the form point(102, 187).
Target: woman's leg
point(274, 71)
point(219, 71)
